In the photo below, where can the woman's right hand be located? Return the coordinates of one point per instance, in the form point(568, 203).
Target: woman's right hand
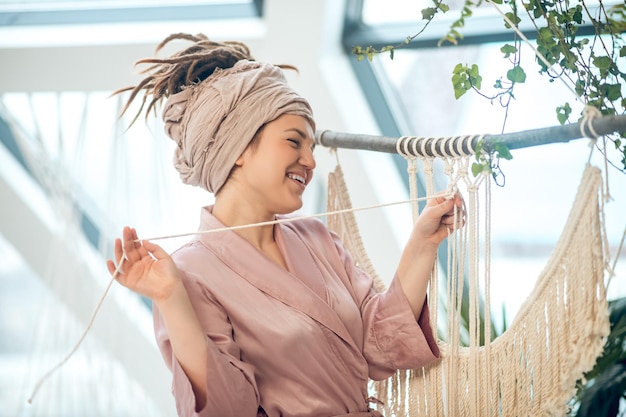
point(146, 268)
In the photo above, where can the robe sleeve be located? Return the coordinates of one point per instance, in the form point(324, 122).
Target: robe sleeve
point(393, 339)
point(231, 386)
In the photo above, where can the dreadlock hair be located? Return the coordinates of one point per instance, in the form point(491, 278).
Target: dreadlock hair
point(190, 66)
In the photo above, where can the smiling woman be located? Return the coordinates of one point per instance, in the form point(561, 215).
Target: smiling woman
point(275, 319)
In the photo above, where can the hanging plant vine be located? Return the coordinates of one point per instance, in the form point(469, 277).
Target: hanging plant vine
point(590, 63)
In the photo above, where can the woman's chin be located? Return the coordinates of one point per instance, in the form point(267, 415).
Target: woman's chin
point(290, 208)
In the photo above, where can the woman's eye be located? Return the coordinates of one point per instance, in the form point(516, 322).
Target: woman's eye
point(296, 142)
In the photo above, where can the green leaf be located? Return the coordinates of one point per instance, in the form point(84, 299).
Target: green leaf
point(456, 34)
point(580, 87)
point(516, 74)
point(473, 76)
point(563, 112)
point(458, 69)
point(513, 18)
point(545, 37)
point(508, 50)
point(448, 38)
point(602, 62)
point(428, 13)
point(474, 71)
point(460, 80)
point(477, 168)
point(502, 151)
point(479, 149)
point(459, 91)
point(577, 15)
point(612, 91)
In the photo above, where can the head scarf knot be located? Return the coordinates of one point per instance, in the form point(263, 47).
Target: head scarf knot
point(214, 121)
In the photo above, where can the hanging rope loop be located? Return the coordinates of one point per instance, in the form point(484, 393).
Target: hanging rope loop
point(586, 124)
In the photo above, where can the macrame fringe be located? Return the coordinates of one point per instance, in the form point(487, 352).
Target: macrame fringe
point(560, 330)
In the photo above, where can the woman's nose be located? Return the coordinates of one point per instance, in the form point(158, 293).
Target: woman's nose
point(307, 159)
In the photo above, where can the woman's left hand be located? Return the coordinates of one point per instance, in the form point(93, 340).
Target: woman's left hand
point(441, 216)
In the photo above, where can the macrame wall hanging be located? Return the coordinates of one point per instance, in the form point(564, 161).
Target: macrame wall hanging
point(532, 368)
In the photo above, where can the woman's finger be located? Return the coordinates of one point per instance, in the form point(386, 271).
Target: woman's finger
point(156, 251)
point(117, 250)
point(453, 222)
point(111, 267)
point(135, 250)
point(132, 248)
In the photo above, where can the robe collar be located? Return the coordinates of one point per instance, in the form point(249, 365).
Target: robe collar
point(246, 260)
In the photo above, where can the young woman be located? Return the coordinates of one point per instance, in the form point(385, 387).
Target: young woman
point(272, 320)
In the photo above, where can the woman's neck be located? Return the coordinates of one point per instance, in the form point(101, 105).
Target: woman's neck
point(231, 212)
point(261, 237)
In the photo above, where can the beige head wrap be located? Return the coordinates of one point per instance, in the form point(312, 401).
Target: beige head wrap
point(213, 122)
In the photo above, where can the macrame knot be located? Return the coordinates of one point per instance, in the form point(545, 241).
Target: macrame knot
point(402, 146)
point(586, 124)
point(452, 189)
point(448, 168)
point(428, 169)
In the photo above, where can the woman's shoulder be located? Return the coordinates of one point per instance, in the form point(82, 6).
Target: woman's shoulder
point(192, 249)
point(194, 257)
point(316, 234)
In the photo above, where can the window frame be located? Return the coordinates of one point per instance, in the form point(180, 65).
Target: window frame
point(49, 15)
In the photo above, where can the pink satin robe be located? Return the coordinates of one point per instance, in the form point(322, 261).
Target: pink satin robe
point(301, 342)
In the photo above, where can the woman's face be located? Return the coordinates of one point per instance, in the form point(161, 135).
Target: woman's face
point(277, 168)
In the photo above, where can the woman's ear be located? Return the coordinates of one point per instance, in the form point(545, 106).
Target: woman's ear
point(239, 161)
point(245, 154)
